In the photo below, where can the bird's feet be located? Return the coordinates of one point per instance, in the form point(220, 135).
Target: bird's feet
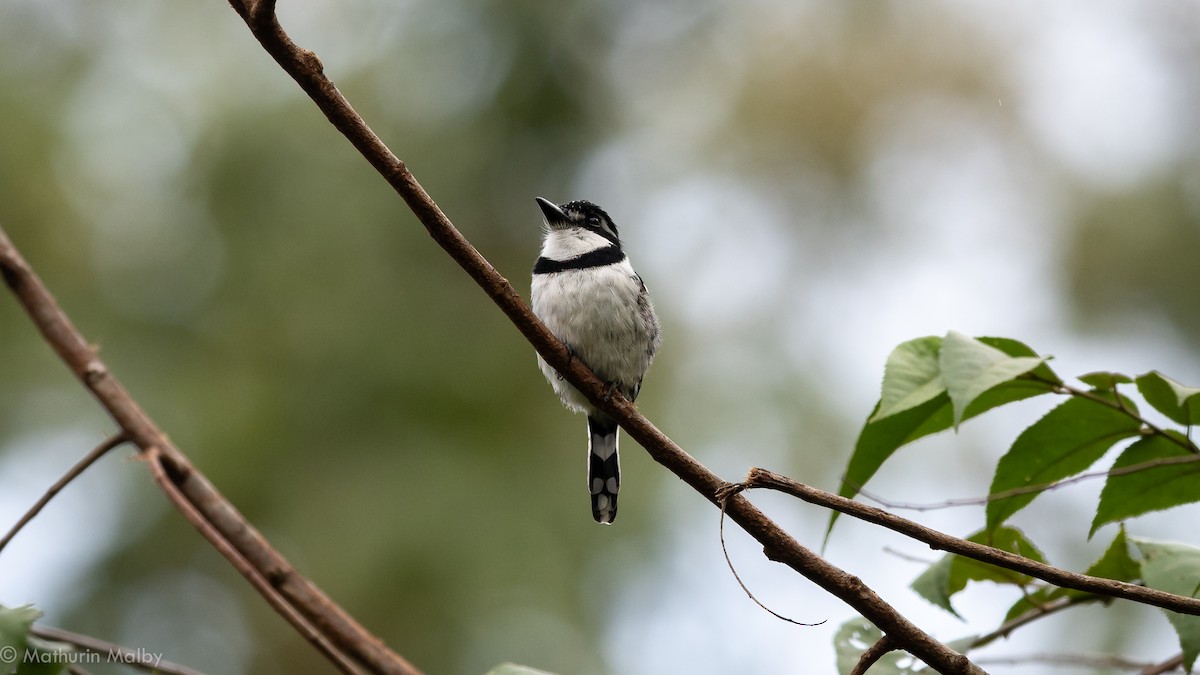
point(570, 358)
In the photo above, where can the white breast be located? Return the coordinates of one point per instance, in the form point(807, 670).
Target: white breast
point(596, 312)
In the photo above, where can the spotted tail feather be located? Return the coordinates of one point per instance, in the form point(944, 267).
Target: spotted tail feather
point(604, 469)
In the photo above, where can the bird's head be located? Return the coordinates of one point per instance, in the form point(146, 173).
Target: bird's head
point(581, 214)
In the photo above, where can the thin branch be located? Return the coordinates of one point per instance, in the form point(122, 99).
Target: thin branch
point(1095, 661)
point(136, 658)
point(872, 655)
point(1116, 404)
point(154, 458)
point(1027, 489)
point(761, 478)
point(1005, 629)
point(71, 474)
point(906, 556)
point(58, 331)
point(306, 69)
point(1171, 664)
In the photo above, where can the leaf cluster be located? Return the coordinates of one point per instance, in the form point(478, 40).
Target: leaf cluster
point(935, 383)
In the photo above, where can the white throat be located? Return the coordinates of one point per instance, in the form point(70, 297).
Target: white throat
point(571, 242)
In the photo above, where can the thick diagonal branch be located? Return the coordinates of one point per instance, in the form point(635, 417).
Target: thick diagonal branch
point(305, 68)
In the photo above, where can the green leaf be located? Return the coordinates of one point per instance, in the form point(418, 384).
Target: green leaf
point(911, 377)
point(1150, 489)
point(878, 440)
point(1116, 562)
point(970, 367)
point(1178, 402)
point(1104, 380)
point(1066, 441)
point(1175, 568)
point(14, 627)
point(1006, 539)
point(951, 574)
point(882, 436)
point(514, 669)
point(1015, 348)
point(856, 636)
point(1031, 601)
point(15, 642)
point(937, 584)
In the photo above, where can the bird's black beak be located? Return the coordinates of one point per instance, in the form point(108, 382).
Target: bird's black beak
point(554, 216)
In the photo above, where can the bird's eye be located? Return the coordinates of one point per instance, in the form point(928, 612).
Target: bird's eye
point(593, 220)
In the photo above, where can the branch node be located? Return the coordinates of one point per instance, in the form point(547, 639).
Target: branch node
point(311, 61)
point(277, 576)
point(728, 490)
point(262, 12)
point(93, 371)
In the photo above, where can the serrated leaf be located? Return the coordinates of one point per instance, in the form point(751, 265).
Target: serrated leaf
point(1015, 348)
point(970, 367)
point(880, 438)
point(911, 377)
point(1179, 402)
point(1175, 568)
point(951, 574)
point(1151, 489)
point(15, 640)
point(1104, 380)
point(14, 626)
point(856, 636)
point(514, 669)
point(1067, 440)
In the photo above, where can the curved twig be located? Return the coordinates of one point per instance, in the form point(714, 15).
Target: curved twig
point(723, 496)
point(71, 474)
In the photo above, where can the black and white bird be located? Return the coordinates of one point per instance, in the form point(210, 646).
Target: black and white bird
point(588, 295)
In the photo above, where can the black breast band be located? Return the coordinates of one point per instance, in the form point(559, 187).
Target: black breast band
point(597, 258)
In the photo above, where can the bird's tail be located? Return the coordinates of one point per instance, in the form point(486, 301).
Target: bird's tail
point(604, 468)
